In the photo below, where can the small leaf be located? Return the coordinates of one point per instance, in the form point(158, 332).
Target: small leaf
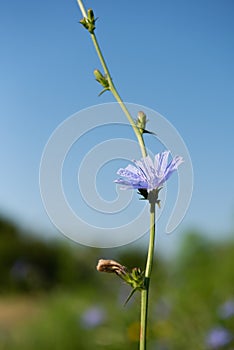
point(130, 295)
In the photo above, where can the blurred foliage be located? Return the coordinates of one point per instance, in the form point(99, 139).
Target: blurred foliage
point(51, 296)
point(29, 264)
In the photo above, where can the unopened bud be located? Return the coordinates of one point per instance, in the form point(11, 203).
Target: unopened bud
point(98, 75)
point(141, 121)
point(89, 22)
point(101, 79)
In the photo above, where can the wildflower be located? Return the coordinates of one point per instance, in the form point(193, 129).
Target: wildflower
point(227, 309)
point(147, 175)
point(218, 337)
point(93, 317)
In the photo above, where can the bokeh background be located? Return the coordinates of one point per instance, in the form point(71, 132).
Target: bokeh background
point(175, 57)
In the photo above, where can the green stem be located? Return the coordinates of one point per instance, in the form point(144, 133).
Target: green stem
point(145, 292)
point(113, 88)
point(82, 8)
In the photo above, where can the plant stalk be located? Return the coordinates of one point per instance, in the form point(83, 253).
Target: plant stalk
point(148, 270)
point(149, 263)
point(113, 88)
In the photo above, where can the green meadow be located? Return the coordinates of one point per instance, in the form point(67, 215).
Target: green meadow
point(52, 297)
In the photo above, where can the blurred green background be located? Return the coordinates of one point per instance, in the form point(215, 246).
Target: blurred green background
point(51, 296)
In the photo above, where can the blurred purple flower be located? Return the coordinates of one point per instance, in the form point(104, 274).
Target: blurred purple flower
point(20, 270)
point(147, 174)
point(226, 310)
point(93, 317)
point(218, 337)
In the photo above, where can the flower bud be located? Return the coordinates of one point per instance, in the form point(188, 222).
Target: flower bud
point(89, 22)
point(141, 121)
point(101, 79)
point(135, 278)
point(111, 266)
point(98, 75)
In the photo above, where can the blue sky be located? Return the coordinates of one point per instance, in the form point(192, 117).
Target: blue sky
point(175, 57)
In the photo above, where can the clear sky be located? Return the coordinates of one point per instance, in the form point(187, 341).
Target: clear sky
point(176, 57)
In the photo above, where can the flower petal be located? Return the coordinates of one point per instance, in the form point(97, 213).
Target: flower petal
point(147, 174)
point(127, 184)
point(172, 166)
point(160, 163)
point(130, 172)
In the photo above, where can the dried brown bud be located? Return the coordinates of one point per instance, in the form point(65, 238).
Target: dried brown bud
point(111, 266)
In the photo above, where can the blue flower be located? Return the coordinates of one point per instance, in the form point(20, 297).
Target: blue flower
point(93, 317)
point(218, 337)
point(227, 309)
point(146, 174)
